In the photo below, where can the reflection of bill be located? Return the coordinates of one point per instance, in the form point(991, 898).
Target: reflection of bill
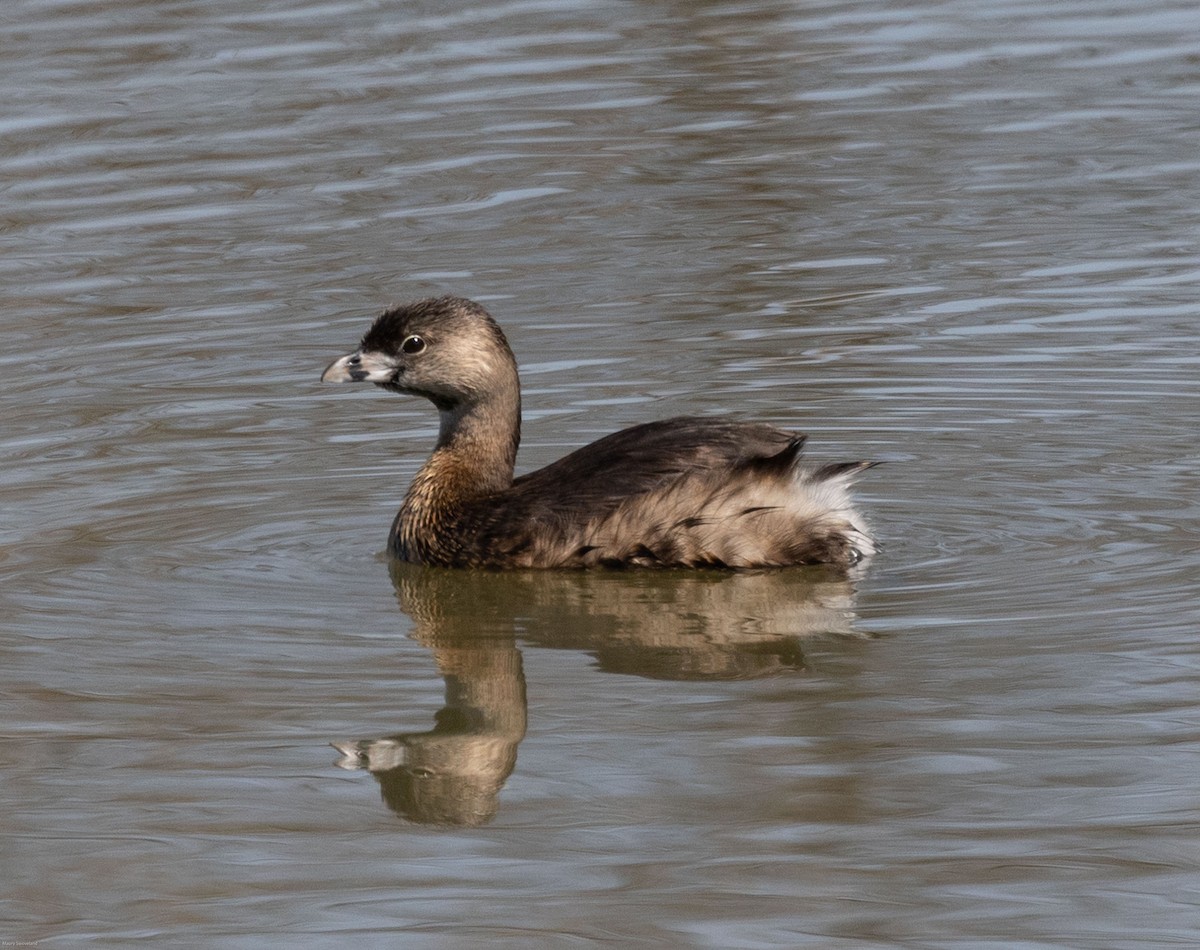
point(663, 625)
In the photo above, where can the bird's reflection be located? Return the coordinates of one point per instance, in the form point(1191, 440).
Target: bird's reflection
point(664, 625)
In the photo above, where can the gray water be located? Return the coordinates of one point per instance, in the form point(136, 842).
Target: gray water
point(958, 236)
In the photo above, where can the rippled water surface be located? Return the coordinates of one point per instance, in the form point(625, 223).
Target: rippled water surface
point(958, 236)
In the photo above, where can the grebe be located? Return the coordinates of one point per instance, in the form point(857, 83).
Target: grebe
point(681, 492)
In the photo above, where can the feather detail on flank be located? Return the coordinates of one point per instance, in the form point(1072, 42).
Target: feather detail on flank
point(682, 492)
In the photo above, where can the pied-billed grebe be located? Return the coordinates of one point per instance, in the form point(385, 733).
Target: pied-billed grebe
point(682, 492)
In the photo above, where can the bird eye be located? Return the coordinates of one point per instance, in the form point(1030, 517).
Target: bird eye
point(412, 344)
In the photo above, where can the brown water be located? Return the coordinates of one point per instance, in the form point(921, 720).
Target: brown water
point(961, 236)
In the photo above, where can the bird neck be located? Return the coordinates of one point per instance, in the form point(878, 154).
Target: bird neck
point(478, 442)
point(474, 457)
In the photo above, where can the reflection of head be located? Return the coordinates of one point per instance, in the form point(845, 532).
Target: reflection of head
point(439, 788)
point(437, 778)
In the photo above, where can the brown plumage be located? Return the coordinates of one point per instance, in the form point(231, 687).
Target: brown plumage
point(683, 492)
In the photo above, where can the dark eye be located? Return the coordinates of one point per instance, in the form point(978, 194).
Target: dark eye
point(412, 344)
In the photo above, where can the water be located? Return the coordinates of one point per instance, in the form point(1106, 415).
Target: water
point(958, 236)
